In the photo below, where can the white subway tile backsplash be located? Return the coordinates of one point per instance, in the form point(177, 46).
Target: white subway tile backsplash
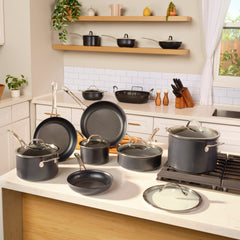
point(80, 78)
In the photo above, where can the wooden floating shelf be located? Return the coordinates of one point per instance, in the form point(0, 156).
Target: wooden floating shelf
point(134, 19)
point(157, 51)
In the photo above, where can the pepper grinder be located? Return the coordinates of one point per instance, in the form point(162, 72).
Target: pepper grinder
point(158, 98)
point(165, 98)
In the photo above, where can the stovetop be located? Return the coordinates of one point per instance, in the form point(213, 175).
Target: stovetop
point(225, 177)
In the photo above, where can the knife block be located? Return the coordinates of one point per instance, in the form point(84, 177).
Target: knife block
point(180, 102)
point(187, 97)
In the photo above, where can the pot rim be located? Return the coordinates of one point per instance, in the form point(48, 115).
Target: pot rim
point(37, 156)
point(107, 144)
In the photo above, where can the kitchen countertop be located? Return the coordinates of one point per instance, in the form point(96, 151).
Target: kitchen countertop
point(198, 112)
point(5, 102)
point(218, 213)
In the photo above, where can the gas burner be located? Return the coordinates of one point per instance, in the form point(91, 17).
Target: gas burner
point(225, 177)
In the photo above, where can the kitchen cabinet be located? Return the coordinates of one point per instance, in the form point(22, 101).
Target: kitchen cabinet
point(16, 118)
point(155, 51)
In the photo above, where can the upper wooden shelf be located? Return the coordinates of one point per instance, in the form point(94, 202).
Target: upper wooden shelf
point(158, 51)
point(134, 19)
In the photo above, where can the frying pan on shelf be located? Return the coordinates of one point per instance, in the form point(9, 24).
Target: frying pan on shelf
point(57, 131)
point(103, 118)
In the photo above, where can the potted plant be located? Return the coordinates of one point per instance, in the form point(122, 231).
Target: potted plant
point(14, 84)
point(64, 11)
point(171, 11)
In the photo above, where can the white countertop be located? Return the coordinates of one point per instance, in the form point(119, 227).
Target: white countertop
point(198, 112)
point(5, 102)
point(219, 212)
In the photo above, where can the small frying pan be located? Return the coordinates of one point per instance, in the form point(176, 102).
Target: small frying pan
point(89, 182)
point(102, 118)
point(57, 131)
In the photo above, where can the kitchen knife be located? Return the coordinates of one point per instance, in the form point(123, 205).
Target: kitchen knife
point(180, 83)
point(175, 88)
point(175, 80)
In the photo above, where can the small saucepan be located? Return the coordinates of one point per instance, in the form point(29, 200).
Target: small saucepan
point(89, 182)
point(123, 42)
point(92, 93)
point(88, 40)
point(169, 44)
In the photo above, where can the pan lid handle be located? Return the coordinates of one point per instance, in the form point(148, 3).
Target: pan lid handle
point(80, 162)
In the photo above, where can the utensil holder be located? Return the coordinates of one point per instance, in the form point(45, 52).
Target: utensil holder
point(116, 9)
point(180, 102)
point(187, 97)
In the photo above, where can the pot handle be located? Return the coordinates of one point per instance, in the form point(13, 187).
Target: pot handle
point(153, 134)
point(54, 99)
point(206, 149)
point(80, 162)
point(150, 39)
point(77, 34)
point(104, 35)
point(42, 163)
point(69, 92)
point(94, 135)
point(115, 88)
point(21, 141)
point(199, 124)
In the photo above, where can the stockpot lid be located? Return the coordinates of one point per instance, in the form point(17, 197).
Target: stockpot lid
point(37, 147)
point(172, 197)
point(193, 132)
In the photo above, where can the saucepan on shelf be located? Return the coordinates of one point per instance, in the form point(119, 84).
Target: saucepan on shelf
point(168, 44)
point(88, 40)
point(123, 42)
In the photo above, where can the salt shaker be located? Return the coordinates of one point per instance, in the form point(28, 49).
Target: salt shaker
point(158, 98)
point(165, 98)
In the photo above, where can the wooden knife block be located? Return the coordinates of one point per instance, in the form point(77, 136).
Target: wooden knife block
point(185, 100)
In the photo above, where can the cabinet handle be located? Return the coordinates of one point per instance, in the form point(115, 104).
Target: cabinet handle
point(53, 114)
point(134, 124)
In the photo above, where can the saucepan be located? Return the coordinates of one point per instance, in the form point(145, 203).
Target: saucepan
point(92, 93)
point(123, 42)
point(168, 44)
point(89, 182)
point(90, 39)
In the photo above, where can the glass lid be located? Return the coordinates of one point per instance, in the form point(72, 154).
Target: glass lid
point(172, 197)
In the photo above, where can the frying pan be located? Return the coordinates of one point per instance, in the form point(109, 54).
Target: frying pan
point(89, 182)
point(123, 42)
point(169, 44)
point(102, 118)
point(57, 131)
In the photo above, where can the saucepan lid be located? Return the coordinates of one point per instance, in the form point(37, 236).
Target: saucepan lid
point(172, 197)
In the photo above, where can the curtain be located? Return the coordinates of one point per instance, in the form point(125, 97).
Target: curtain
point(213, 15)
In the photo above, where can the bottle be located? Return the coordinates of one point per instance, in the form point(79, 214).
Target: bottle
point(158, 98)
point(165, 98)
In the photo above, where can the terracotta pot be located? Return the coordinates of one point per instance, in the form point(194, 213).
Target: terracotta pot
point(1, 90)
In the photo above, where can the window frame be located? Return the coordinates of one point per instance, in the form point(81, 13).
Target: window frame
point(224, 81)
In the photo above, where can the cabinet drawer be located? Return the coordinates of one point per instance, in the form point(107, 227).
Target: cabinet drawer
point(76, 117)
point(44, 111)
point(5, 114)
point(139, 124)
point(163, 123)
point(20, 111)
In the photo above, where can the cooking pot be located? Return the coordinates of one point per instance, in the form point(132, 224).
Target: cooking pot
point(192, 149)
point(92, 93)
point(168, 44)
point(123, 42)
point(36, 161)
point(132, 96)
point(91, 40)
point(140, 156)
point(94, 150)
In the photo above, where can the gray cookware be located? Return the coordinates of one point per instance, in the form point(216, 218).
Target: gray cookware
point(90, 39)
point(103, 118)
point(58, 131)
point(89, 182)
point(132, 96)
point(140, 156)
point(92, 93)
point(36, 161)
point(192, 149)
point(123, 42)
point(94, 150)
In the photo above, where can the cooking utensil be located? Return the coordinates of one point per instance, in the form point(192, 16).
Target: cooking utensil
point(140, 156)
point(92, 93)
point(169, 44)
point(58, 131)
point(192, 149)
point(132, 96)
point(123, 42)
point(91, 40)
point(36, 161)
point(94, 150)
point(172, 197)
point(103, 118)
point(89, 182)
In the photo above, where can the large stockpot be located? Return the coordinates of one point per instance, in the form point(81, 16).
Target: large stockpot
point(36, 161)
point(193, 149)
point(94, 150)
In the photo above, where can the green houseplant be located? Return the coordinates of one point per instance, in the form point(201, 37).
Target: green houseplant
point(171, 11)
point(64, 11)
point(14, 84)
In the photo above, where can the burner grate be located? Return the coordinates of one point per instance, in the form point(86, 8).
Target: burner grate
point(225, 177)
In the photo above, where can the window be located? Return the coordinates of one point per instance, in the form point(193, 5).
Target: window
point(227, 55)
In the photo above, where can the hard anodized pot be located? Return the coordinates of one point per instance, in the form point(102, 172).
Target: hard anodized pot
point(94, 150)
point(91, 40)
point(92, 93)
point(192, 149)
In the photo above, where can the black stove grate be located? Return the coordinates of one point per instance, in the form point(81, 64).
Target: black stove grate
point(225, 177)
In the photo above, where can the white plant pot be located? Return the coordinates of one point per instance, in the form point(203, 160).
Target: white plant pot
point(15, 93)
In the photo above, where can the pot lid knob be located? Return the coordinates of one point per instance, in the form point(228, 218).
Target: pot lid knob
point(90, 33)
point(170, 38)
point(125, 35)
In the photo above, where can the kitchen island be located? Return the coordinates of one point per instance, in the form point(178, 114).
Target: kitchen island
point(51, 210)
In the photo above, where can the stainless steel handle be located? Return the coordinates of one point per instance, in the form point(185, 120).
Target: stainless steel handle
point(41, 164)
point(80, 162)
point(206, 149)
point(134, 124)
point(199, 124)
point(54, 98)
point(23, 144)
point(153, 134)
point(150, 39)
